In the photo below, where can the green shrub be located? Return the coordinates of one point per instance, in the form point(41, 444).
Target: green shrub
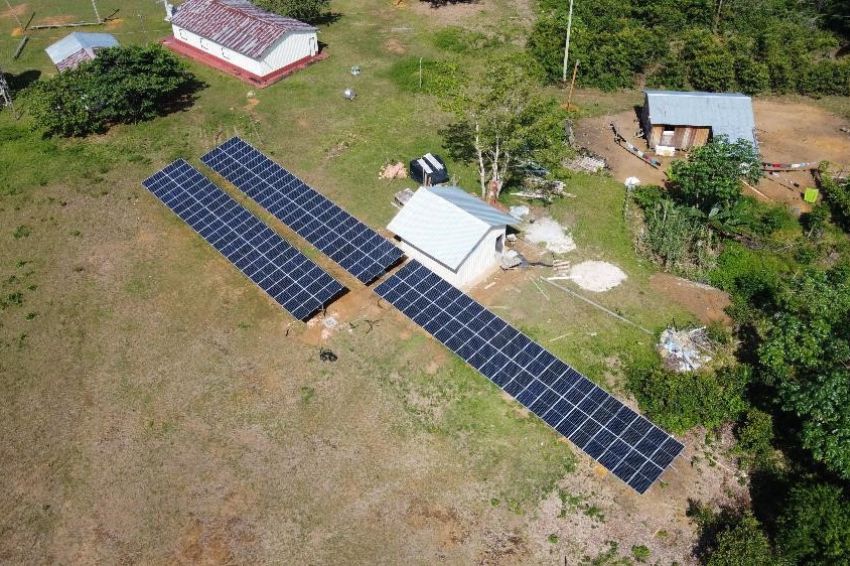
point(680, 401)
point(678, 237)
point(743, 544)
point(123, 85)
point(755, 439)
point(814, 527)
point(641, 553)
point(747, 274)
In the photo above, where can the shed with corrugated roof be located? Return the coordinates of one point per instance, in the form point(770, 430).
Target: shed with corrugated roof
point(681, 120)
point(242, 35)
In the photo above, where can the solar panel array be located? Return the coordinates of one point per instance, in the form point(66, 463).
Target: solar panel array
point(623, 441)
point(360, 250)
point(298, 284)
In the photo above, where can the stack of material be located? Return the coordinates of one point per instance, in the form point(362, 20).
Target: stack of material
point(586, 163)
point(685, 350)
point(393, 171)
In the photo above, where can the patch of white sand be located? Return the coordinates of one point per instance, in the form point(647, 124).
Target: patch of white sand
point(547, 231)
point(596, 276)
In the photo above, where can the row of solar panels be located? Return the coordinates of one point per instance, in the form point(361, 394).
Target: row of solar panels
point(634, 449)
point(296, 283)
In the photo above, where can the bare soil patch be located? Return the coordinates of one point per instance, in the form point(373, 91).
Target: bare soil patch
point(706, 303)
point(393, 45)
point(20, 10)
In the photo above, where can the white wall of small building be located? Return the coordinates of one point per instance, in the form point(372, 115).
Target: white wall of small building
point(481, 261)
point(291, 48)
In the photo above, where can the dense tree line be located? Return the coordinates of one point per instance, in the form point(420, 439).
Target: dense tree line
point(760, 46)
point(788, 390)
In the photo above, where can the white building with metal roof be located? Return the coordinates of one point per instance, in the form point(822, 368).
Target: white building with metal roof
point(681, 120)
point(453, 233)
point(238, 33)
point(77, 47)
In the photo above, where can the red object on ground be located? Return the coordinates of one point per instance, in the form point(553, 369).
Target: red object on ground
point(255, 80)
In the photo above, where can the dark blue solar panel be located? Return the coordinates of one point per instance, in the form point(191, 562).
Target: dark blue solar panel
point(360, 250)
point(296, 283)
point(634, 449)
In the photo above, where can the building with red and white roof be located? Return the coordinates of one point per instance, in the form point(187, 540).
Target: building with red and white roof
point(243, 36)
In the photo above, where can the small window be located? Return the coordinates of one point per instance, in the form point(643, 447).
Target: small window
point(182, 34)
point(224, 54)
point(204, 44)
point(669, 131)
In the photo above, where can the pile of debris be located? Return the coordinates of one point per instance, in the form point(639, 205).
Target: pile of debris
point(542, 189)
point(395, 170)
point(685, 350)
point(586, 162)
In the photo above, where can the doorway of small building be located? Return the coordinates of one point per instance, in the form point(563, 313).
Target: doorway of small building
point(500, 244)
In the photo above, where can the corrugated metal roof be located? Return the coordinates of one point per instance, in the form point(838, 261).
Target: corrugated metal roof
point(446, 223)
point(729, 114)
point(75, 42)
point(236, 24)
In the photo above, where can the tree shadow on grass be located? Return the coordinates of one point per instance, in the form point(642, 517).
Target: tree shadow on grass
point(22, 80)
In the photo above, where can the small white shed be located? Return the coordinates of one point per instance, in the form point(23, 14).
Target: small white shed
point(241, 34)
point(78, 47)
point(453, 233)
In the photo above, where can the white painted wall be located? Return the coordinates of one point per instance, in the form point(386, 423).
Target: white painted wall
point(290, 48)
point(480, 262)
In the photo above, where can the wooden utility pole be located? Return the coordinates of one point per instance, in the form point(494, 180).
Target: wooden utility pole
point(567, 42)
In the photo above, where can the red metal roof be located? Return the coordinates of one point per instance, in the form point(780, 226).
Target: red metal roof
point(236, 24)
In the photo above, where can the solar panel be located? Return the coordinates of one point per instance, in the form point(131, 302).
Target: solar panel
point(296, 283)
point(357, 248)
point(635, 450)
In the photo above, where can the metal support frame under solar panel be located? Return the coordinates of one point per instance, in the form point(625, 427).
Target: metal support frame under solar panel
point(626, 443)
point(288, 276)
point(357, 248)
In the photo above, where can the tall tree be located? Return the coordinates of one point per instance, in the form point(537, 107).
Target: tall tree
point(501, 124)
point(711, 176)
point(123, 85)
point(805, 355)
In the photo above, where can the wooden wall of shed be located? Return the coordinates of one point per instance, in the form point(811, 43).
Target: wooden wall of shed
point(684, 137)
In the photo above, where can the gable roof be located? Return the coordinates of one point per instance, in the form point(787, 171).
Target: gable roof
point(236, 24)
point(729, 114)
point(74, 43)
point(446, 223)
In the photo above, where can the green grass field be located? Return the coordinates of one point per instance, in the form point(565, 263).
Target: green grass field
point(160, 409)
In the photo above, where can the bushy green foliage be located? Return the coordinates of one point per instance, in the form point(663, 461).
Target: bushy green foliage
point(502, 124)
point(123, 85)
point(755, 439)
point(696, 44)
point(805, 356)
point(680, 401)
point(836, 194)
point(742, 544)
point(711, 176)
point(814, 528)
point(749, 275)
point(678, 238)
point(310, 11)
